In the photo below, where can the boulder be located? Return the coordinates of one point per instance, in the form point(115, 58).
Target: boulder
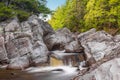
point(19, 63)
point(58, 40)
point(106, 71)
point(96, 44)
point(40, 52)
point(18, 47)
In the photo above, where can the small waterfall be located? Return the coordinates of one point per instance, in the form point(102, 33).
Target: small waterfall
point(70, 62)
point(55, 62)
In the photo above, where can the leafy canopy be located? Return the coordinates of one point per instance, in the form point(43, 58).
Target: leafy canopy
point(22, 8)
point(81, 15)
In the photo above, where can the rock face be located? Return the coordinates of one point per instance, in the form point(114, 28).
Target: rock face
point(22, 44)
point(106, 71)
point(103, 54)
point(32, 42)
point(97, 44)
point(3, 53)
point(59, 39)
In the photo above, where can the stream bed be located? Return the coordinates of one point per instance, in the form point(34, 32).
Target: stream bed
point(40, 73)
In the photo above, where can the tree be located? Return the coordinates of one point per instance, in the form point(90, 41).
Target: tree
point(24, 8)
point(81, 15)
point(102, 14)
point(70, 15)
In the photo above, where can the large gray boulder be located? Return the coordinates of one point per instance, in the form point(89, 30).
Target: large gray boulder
point(106, 71)
point(96, 44)
point(19, 63)
point(18, 47)
point(23, 43)
point(40, 52)
point(58, 40)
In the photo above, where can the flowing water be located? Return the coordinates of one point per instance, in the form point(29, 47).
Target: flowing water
point(39, 73)
point(53, 72)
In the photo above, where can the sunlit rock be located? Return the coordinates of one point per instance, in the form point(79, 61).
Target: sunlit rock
point(96, 44)
point(106, 71)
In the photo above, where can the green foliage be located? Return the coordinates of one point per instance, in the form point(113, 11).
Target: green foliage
point(22, 15)
point(22, 8)
point(85, 14)
point(70, 15)
point(103, 14)
point(4, 11)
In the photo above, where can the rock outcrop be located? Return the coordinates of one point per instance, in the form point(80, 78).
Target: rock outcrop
point(103, 54)
point(106, 71)
point(22, 44)
point(30, 43)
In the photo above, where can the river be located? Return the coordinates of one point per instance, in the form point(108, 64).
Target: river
point(40, 73)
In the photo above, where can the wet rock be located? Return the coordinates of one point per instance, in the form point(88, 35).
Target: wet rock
point(19, 63)
point(57, 70)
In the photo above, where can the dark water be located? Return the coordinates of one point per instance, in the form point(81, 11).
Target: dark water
point(47, 73)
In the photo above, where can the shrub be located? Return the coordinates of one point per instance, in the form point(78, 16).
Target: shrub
point(22, 15)
point(5, 12)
